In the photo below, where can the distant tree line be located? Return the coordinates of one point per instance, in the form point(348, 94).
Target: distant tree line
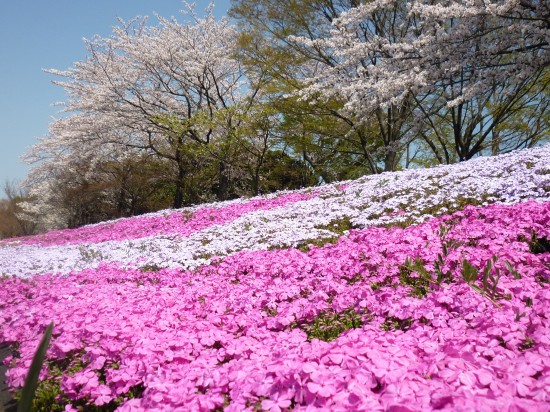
point(286, 94)
point(11, 224)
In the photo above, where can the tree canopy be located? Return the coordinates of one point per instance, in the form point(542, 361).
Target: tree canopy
point(284, 94)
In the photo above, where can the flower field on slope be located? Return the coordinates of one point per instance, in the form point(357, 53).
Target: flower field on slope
point(417, 290)
point(302, 217)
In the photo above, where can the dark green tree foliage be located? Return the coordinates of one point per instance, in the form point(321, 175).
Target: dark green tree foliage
point(318, 130)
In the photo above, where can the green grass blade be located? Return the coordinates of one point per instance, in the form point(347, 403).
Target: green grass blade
point(31, 382)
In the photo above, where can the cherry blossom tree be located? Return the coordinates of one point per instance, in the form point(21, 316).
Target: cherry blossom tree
point(270, 29)
point(155, 88)
point(454, 53)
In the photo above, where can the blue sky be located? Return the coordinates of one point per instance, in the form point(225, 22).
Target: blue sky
point(37, 34)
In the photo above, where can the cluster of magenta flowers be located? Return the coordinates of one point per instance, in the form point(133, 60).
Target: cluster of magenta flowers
point(444, 313)
point(193, 220)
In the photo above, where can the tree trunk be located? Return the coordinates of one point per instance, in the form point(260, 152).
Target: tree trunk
point(495, 144)
point(389, 160)
point(256, 181)
point(223, 182)
point(120, 202)
point(178, 196)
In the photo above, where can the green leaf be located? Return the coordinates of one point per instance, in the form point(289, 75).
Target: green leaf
point(512, 271)
point(421, 269)
point(494, 286)
point(487, 274)
point(469, 273)
point(31, 382)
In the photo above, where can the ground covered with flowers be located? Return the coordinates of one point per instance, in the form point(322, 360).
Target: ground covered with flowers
point(412, 291)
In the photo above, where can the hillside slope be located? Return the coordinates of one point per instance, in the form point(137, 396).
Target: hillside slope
point(189, 237)
point(416, 290)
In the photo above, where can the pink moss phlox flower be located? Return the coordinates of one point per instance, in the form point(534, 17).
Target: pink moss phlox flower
point(243, 332)
point(170, 222)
